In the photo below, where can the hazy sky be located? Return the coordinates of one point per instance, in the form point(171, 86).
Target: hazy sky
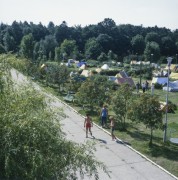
point(163, 13)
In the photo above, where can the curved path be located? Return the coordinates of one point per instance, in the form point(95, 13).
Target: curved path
point(123, 161)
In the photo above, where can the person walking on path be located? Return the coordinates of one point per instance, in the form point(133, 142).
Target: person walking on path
point(137, 87)
point(143, 87)
point(146, 85)
point(88, 124)
point(112, 125)
point(104, 115)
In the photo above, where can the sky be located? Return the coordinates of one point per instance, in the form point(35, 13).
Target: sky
point(148, 13)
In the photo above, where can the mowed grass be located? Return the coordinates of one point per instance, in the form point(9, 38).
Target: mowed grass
point(138, 136)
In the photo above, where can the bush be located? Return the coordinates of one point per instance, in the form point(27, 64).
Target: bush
point(158, 86)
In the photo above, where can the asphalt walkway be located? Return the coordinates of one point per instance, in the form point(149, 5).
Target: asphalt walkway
point(122, 160)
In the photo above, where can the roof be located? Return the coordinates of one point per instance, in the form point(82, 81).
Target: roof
point(122, 74)
point(127, 80)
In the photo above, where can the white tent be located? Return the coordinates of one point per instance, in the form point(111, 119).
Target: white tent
point(159, 80)
point(83, 66)
point(105, 67)
point(173, 86)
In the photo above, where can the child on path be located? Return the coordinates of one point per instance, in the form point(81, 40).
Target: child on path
point(112, 125)
point(88, 124)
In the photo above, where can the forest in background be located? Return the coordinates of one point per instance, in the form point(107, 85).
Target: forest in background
point(122, 42)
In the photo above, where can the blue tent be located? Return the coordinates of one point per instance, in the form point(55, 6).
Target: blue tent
point(81, 63)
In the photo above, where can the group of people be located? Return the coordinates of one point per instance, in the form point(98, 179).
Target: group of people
point(104, 115)
point(145, 86)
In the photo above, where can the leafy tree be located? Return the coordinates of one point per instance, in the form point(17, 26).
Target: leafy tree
point(92, 92)
point(103, 57)
point(17, 32)
point(51, 28)
point(168, 47)
point(36, 52)
point(39, 31)
point(152, 48)
point(120, 103)
point(105, 41)
point(32, 143)
point(69, 48)
point(9, 43)
point(153, 37)
point(92, 48)
point(111, 55)
point(106, 26)
point(2, 49)
point(27, 45)
point(50, 44)
point(62, 76)
point(138, 44)
point(61, 32)
point(146, 109)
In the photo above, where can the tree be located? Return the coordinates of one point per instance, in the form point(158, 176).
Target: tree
point(153, 37)
point(27, 45)
point(9, 43)
point(152, 48)
point(168, 47)
point(50, 44)
point(62, 75)
point(69, 48)
point(17, 32)
point(103, 57)
point(61, 32)
point(120, 103)
point(138, 44)
point(93, 92)
point(105, 41)
point(111, 55)
point(146, 109)
point(2, 49)
point(92, 48)
point(32, 143)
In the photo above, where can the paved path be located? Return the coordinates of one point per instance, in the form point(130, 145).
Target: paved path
point(123, 161)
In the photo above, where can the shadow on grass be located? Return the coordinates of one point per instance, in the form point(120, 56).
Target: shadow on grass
point(167, 151)
point(140, 136)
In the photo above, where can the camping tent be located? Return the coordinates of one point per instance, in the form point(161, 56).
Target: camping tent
point(127, 80)
point(86, 73)
point(159, 80)
point(98, 70)
point(172, 67)
point(81, 63)
point(105, 67)
point(173, 86)
point(173, 75)
point(122, 74)
point(83, 66)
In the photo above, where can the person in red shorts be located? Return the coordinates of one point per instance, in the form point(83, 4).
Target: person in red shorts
point(88, 124)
